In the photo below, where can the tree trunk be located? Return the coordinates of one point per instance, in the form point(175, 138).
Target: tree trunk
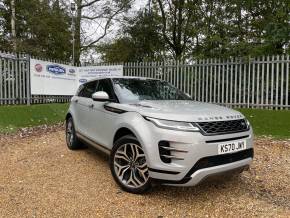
point(78, 32)
point(13, 29)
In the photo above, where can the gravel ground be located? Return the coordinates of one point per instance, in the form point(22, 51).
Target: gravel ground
point(40, 177)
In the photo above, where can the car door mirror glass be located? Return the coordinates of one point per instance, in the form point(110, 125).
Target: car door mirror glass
point(100, 96)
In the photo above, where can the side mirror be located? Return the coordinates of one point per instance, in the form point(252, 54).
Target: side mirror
point(100, 96)
point(188, 95)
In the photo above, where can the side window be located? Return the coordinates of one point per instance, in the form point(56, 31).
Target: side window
point(104, 85)
point(88, 90)
point(81, 87)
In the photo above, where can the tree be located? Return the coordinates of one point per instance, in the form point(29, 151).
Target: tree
point(13, 30)
point(99, 13)
point(271, 22)
point(140, 41)
point(43, 33)
point(190, 29)
point(120, 50)
point(179, 24)
point(178, 29)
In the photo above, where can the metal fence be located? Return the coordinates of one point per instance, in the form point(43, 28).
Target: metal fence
point(261, 82)
point(15, 82)
point(14, 79)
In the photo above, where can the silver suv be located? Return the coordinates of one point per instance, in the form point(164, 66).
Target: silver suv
point(154, 132)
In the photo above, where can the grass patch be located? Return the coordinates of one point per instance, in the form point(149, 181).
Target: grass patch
point(18, 116)
point(269, 122)
point(265, 122)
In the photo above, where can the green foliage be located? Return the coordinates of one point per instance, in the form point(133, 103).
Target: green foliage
point(42, 29)
point(244, 28)
point(205, 29)
point(172, 29)
point(139, 41)
point(121, 50)
point(15, 117)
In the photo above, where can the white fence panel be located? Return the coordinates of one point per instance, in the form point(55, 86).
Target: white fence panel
point(261, 82)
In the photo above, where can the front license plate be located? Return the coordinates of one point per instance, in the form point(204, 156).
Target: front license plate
point(231, 147)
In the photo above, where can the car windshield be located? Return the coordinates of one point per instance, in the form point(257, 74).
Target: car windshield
point(137, 89)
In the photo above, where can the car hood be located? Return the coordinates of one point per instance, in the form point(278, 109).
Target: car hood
point(179, 110)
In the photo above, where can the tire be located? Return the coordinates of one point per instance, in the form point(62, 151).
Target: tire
point(130, 171)
point(72, 141)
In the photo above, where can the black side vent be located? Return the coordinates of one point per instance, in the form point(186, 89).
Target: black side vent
point(167, 153)
point(164, 151)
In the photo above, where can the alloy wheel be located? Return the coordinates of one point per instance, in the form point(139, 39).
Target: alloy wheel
point(69, 133)
point(130, 165)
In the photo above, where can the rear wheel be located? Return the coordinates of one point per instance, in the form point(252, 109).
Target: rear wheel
point(71, 139)
point(128, 165)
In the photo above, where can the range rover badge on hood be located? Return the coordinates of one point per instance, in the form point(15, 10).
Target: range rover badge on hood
point(230, 117)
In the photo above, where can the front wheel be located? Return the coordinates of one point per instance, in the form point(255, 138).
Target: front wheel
point(128, 165)
point(72, 141)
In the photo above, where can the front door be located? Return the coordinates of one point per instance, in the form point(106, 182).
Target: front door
point(101, 122)
point(83, 103)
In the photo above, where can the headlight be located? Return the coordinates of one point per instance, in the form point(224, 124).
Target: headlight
point(248, 123)
point(174, 125)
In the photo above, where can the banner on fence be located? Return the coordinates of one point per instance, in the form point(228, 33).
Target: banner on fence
point(48, 78)
point(91, 72)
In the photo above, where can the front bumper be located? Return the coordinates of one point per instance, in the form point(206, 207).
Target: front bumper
point(202, 174)
point(198, 147)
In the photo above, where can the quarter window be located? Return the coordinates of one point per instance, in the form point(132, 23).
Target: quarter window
point(81, 87)
point(88, 90)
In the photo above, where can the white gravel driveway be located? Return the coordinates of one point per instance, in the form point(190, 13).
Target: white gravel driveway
point(40, 177)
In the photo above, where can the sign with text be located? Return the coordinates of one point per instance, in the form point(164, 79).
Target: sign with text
point(49, 78)
point(88, 73)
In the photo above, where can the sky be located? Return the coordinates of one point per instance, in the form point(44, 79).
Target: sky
point(94, 29)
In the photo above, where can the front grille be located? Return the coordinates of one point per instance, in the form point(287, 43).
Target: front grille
point(223, 127)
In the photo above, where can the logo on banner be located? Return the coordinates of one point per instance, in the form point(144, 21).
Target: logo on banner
point(71, 70)
point(38, 68)
point(55, 69)
point(83, 80)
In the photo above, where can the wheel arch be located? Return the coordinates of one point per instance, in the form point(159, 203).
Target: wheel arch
point(132, 123)
point(68, 115)
point(139, 133)
point(122, 131)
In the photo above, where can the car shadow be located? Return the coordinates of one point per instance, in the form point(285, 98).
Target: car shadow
point(210, 184)
point(89, 149)
point(222, 183)
point(212, 188)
